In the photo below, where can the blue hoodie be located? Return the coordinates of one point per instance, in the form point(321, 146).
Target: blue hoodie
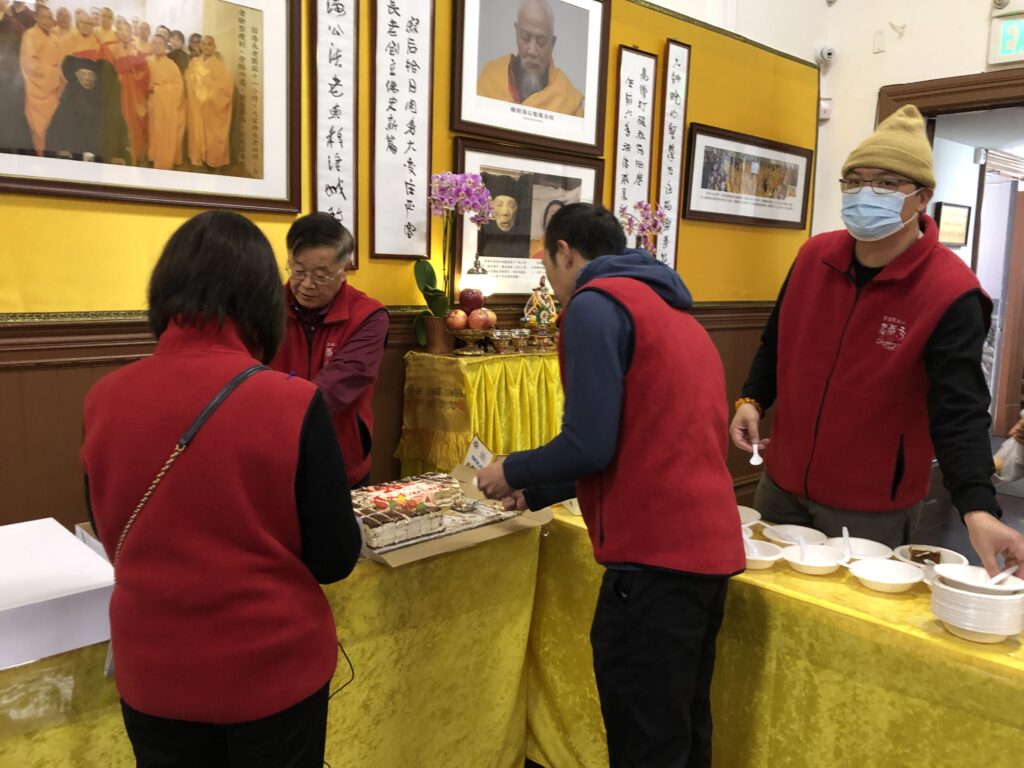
point(596, 353)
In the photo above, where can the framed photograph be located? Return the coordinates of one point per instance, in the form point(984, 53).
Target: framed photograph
point(634, 125)
point(532, 72)
point(403, 48)
point(527, 187)
point(335, 47)
point(741, 179)
point(673, 123)
point(954, 223)
point(208, 118)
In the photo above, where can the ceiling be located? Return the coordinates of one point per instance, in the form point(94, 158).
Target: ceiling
point(992, 129)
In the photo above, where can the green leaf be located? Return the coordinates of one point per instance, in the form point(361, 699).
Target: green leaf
point(425, 277)
point(421, 329)
point(437, 301)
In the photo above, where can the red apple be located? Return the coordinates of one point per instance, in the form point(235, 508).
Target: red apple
point(492, 319)
point(470, 299)
point(480, 319)
point(457, 320)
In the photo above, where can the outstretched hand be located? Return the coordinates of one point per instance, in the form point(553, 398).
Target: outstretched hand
point(991, 538)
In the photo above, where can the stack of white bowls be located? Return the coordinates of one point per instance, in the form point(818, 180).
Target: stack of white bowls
point(971, 608)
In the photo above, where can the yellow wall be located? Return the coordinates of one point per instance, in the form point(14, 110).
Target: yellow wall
point(72, 255)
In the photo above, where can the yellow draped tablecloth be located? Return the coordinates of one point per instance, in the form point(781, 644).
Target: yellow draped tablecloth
point(812, 671)
point(513, 402)
point(439, 652)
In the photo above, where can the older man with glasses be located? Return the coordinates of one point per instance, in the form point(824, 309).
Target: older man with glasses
point(334, 334)
point(871, 357)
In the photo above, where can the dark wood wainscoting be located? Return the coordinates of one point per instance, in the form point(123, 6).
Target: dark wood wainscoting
point(47, 367)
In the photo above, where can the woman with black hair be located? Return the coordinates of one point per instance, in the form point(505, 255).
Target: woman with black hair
point(218, 491)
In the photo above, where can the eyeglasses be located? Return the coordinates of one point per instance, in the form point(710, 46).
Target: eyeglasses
point(880, 186)
point(298, 274)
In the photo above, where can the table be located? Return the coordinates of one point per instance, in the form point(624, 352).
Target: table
point(811, 671)
point(512, 402)
point(439, 651)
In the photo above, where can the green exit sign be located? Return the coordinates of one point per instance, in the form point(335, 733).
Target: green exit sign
point(1006, 40)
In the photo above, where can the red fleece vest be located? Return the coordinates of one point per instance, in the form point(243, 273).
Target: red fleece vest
point(214, 617)
point(667, 498)
point(350, 308)
point(851, 421)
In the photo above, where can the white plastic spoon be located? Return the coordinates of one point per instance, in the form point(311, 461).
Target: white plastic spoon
point(1000, 577)
point(756, 459)
point(846, 542)
point(803, 549)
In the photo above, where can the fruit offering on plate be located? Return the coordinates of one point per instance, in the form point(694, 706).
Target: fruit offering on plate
point(482, 319)
point(457, 320)
point(470, 299)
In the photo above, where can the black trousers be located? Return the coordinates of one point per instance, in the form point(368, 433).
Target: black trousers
point(654, 653)
point(291, 738)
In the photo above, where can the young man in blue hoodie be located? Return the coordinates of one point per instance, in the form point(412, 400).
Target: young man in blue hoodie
point(642, 447)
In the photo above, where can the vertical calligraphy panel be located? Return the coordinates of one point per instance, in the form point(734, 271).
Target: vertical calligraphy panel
point(634, 123)
point(402, 105)
point(337, 82)
point(673, 123)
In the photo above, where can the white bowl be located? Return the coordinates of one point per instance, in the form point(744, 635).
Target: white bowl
point(762, 554)
point(819, 559)
point(747, 533)
point(974, 637)
point(862, 548)
point(748, 515)
point(790, 534)
point(973, 578)
point(945, 555)
point(885, 575)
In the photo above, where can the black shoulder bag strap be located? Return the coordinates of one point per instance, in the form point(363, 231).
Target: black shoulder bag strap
point(182, 444)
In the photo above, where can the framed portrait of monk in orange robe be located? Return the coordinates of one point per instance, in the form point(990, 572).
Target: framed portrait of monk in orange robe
point(194, 102)
point(531, 71)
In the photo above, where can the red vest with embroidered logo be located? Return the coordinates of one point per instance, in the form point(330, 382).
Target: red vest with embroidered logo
point(350, 308)
point(851, 419)
point(667, 498)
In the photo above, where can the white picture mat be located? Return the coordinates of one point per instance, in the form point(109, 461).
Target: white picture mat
point(634, 122)
point(554, 125)
point(273, 185)
point(515, 276)
point(737, 204)
point(336, 182)
point(673, 129)
point(390, 172)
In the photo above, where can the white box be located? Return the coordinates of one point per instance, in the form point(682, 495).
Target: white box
point(54, 592)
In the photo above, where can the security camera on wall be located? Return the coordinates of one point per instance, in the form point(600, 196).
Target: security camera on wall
point(824, 54)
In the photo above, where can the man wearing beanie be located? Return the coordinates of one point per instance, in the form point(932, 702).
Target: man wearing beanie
point(872, 358)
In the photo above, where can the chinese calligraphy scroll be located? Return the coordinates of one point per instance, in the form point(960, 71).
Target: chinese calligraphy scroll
point(337, 83)
point(673, 121)
point(634, 124)
point(401, 141)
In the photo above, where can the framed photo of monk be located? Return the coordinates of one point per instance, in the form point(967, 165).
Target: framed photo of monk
point(532, 71)
point(191, 102)
point(528, 186)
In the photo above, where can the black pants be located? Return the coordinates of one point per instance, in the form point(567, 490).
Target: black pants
point(291, 738)
point(654, 653)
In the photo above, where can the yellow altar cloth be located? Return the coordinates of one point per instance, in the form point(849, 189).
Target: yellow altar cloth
point(439, 651)
point(812, 672)
point(513, 402)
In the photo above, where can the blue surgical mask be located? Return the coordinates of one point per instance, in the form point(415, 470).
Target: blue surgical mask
point(870, 216)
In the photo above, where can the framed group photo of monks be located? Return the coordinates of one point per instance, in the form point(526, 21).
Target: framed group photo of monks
point(532, 71)
point(192, 102)
point(528, 186)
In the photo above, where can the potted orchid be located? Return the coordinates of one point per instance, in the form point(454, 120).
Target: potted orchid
point(646, 221)
point(451, 195)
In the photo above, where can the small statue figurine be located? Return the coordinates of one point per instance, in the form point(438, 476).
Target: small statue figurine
point(540, 310)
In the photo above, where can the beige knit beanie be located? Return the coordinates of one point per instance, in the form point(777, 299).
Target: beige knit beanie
point(900, 145)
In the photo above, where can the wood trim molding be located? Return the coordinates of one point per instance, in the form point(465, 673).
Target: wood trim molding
point(56, 343)
point(986, 90)
point(1004, 164)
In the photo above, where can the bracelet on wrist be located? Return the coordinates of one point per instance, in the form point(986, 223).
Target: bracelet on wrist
point(748, 401)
